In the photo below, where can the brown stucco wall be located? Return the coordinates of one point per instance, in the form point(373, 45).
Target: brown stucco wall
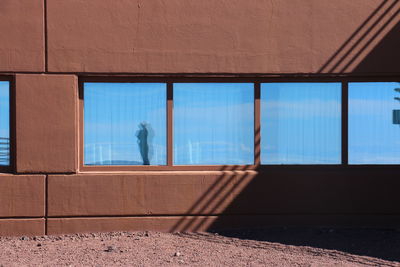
point(232, 192)
point(22, 37)
point(229, 36)
point(46, 126)
point(22, 195)
point(47, 45)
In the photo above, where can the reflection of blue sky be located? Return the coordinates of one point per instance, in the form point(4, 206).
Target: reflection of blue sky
point(300, 123)
point(213, 123)
point(4, 122)
point(373, 138)
point(112, 114)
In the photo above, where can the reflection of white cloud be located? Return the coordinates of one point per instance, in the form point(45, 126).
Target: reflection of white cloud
point(215, 147)
point(99, 152)
point(213, 153)
point(280, 158)
point(370, 158)
point(246, 148)
point(372, 107)
point(217, 113)
point(301, 109)
point(120, 132)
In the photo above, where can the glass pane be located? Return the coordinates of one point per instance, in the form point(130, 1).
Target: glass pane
point(374, 123)
point(301, 123)
point(125, 123)
point(213, 123)
point(4, 123)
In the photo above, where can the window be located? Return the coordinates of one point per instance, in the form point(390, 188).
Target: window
point(4, 123)
point(196, 124)
point(125, 124)
point(166, 124)
point(300, 123)
point(213, 123)
point(374, 123)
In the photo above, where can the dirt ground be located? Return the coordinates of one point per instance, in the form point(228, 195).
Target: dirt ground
point(268, 247)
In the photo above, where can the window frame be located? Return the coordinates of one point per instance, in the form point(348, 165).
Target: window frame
point(11, 80)
point(169, 80)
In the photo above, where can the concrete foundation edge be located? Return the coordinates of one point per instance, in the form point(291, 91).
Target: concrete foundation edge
point(207, 223)
point(57, 226)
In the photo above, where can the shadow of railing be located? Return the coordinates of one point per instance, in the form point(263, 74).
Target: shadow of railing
point(219, 194)
point(216, 198)
point(283, 191)
point(373, 30)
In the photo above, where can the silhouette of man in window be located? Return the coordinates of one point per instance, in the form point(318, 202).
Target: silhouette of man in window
point(142, 136)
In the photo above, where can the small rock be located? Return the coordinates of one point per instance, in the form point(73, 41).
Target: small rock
point(39, 245)
point(24, 238)
point(177, 254)
point(146, 233)
point(110, 249)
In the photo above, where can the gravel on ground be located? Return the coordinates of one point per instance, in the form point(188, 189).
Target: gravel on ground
point(238, 248)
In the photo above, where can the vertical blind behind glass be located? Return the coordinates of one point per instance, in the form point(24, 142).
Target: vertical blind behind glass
point(374, 123)
point(4, 123)
point(125, 124)
point(213, 123)
point(301, 123)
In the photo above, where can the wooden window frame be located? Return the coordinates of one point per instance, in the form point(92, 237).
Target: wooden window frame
point(170, 80)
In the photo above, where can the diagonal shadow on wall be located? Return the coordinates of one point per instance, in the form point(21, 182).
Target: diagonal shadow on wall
point(373, 47)
point(317, 195)
point(385, 57)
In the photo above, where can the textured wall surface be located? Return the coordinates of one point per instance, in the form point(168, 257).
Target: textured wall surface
point(46, 46)
point(229, 36)
point(22, 46)
point(46, 126)
point(22, 195)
